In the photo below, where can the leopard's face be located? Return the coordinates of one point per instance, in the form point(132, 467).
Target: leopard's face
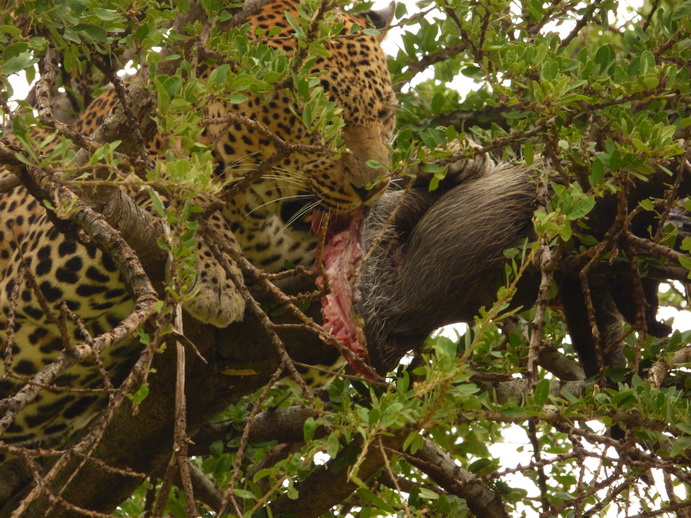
point(269, 218)
point(356, 78)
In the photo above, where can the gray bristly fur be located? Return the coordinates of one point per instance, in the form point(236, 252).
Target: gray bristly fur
point(441, 258)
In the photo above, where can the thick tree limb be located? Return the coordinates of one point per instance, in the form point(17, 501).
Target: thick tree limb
point(326, 486)
point(284, 425)
point(517, 388)
point(441, 468)
point(659, 369)
point(562, 367)
point(483, 117)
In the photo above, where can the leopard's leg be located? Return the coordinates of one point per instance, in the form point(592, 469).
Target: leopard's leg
point(216, 299)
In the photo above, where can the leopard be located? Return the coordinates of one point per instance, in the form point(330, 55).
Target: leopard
point(268, 221)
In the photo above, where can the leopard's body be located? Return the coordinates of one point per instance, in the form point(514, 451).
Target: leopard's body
point(68, 270)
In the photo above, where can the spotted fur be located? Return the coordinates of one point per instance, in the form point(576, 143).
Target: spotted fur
point(261, 221)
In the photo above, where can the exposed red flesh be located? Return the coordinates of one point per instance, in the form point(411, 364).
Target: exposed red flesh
point(342, 253)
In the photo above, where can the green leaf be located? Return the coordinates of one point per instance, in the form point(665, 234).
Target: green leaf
point(571, 398)
point(294, 24)
point(481, 465)
point(332, 445)
point(218, 74)
point(106, 15)
point(647, 205)
point(371, 32)
point(622, 398)
point(243, 493)
point(515, 115)
point(685, 261)
point(375, 164)
point(237, 98)
point(684, 427)
point(307, 117)
point(434, 183)
point(682, 10)
point(71, 35)
point(94, 31)
point(597, 173)
point(10, 29)
point(513, 412)
point(565, 231)
point(413, 442)
point(157, 203)
point(374, 416)
point(604, 57)
point(175, 508)
point(140, 395)
point(216, 448)
point(144, 337)
point(163, 97)
point(528, 153)
point(308, 428)
point(432, 168)
point(680, 446)
point(542, 390)
point(427, 494)
point(19, 62)
point(651, 81)
point(581, 207)
point(437, 103)
point(173, 85)
point(368, 496)
point(472, 71)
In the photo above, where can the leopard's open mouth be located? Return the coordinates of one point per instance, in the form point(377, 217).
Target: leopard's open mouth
point(341, 259)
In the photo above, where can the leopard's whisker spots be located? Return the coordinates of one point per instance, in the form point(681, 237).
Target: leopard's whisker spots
point(241, 163)
point(287, 180)
point(289, 171)
point(287, 176)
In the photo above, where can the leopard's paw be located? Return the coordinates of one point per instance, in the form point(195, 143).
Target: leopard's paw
point(468, 168)
point(216, 300)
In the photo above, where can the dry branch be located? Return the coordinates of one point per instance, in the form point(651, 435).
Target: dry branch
point(442, 468)
point(326, 486)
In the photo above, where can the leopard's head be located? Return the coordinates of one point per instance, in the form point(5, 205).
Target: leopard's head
point(354, 76)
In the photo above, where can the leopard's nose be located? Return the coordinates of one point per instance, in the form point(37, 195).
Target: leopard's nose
point(372, 194)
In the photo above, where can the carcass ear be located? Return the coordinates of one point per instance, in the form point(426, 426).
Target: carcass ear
point(381, 18)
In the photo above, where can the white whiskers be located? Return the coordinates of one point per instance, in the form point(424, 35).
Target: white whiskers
point(274, 200)
point(301, 213)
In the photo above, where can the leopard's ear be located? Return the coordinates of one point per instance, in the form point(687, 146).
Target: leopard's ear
point(381, 18)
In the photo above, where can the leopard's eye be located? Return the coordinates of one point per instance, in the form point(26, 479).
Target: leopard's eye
point(385, 113)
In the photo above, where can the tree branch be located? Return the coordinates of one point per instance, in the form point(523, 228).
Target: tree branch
point(442, 468)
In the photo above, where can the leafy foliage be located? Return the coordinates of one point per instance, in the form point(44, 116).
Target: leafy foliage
point(603, 98)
